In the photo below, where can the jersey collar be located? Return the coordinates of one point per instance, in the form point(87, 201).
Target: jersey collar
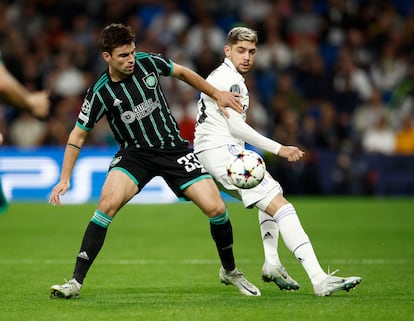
point(229, 64)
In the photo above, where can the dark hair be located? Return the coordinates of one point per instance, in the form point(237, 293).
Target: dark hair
point(115, 35)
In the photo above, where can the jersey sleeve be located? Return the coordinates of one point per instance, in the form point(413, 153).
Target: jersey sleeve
point(91, 111)
point(239, 129)
point(222, 83)
point(163, 64)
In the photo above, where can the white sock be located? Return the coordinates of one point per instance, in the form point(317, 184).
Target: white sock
point(270, 237)
point(297, 241)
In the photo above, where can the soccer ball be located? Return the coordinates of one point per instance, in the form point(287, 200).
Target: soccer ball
point(246, 170)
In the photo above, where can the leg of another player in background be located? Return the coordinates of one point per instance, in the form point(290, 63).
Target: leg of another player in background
point(3, 200)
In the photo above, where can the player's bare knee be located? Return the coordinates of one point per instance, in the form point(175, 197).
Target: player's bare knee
point(108, 206)
point(215, 209)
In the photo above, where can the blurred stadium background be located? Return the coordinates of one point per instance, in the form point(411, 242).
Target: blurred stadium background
point(334, 77)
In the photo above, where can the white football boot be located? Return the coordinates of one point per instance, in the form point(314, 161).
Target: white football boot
point(237, 279)
point(333, 284)
point(279, 275)
point(71, 289)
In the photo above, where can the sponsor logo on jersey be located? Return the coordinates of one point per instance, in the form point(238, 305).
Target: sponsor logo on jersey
point(139, 111)
point(128, 117)
point(145, 108)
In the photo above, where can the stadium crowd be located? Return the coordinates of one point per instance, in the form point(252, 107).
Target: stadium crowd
point(333, 75)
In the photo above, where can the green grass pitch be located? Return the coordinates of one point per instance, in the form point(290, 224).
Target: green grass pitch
point(160, 264)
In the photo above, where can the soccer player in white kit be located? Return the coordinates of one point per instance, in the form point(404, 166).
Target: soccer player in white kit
point(218, 138)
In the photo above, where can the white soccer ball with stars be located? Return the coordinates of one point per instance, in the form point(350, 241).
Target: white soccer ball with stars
point(246, 170)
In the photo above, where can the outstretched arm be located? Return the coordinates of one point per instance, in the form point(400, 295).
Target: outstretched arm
point(12, 92)
point(224, 98)
point(291, 153)
point(239, 129)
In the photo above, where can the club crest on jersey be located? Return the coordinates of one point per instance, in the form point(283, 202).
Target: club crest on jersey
point(235, 89)
point(150, 81)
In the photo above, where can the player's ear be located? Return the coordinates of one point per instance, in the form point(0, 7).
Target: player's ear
point(106, 56)
point(227, 51)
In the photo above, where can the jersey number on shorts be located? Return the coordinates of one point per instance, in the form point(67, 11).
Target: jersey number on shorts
point(190, 162)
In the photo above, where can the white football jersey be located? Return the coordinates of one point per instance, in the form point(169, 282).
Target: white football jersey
point(211, 128)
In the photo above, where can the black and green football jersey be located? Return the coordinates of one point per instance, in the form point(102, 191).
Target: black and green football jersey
point(136, 108)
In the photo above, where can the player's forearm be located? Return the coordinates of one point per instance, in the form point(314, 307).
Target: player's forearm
point(198, 82)
point(239, 129)
point(12, 92)
point(69, 160)
point(73, 146)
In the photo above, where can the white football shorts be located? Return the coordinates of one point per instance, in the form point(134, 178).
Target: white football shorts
point(216, 160)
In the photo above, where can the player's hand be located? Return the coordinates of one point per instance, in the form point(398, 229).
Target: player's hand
point(40, 103)
point(292, 153)
point(59, 189)
point(1, 138)
point(229, 99)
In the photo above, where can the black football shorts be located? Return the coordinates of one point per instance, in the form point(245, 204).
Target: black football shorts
point(179, 167)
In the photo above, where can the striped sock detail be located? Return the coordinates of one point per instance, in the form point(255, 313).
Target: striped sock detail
point(220, 219)
point(284, 211)
point(298, 247)
point(101, 219)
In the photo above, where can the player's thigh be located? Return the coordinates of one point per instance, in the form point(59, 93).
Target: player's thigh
point(216, 160)
point(206, 196)
point(277, 202)
point(117, 190)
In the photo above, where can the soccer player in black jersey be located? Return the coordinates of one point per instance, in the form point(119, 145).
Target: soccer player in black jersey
point(129, 94)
